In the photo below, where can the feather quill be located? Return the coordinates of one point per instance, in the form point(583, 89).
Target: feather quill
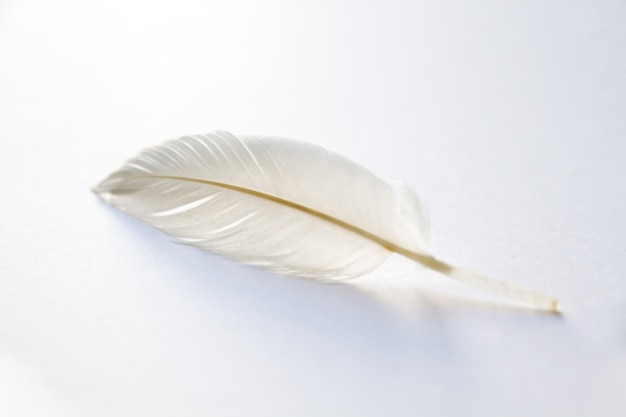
point(284, 205)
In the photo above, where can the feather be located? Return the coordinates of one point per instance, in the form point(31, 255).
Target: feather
point(284, 205)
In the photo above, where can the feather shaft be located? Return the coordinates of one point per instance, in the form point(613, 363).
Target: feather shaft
point(496, 287)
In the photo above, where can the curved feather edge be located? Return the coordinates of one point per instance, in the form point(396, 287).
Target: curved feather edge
point(284, 205)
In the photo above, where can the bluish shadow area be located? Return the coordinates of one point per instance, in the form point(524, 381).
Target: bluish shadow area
point(232, 327)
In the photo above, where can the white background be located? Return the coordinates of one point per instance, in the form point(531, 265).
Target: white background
point(509, 118)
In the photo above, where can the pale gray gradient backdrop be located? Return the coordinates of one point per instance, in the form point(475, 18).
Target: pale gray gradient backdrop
point(508, 117)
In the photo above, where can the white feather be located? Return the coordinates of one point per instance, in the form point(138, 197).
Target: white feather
point(285, 205)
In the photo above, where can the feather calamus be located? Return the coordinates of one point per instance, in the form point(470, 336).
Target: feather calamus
point(284, 205)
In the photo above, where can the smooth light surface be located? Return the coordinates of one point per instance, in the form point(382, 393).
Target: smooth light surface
point(509, 118)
